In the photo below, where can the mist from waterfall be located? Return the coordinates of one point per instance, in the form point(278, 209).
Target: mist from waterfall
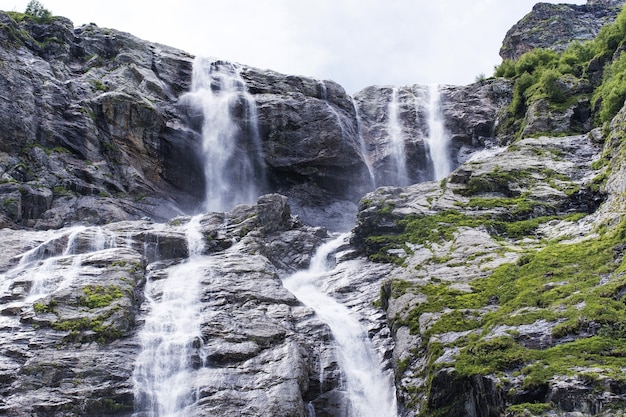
point(232, 153)
point(438, 143)
point(370, 390)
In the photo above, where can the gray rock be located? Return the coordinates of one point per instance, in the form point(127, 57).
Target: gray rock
point(554, 26)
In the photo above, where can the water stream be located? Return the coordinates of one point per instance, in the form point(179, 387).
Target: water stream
point(437, 137)
point(231, 146)
point(363, 146)
point(396, 140)
point(164, 376)
point(370, 391)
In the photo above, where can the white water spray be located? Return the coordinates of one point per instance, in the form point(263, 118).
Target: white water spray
point(232, 152)
point(164, 376)
point(437, 137)
point(371, 391)
point(396, 140)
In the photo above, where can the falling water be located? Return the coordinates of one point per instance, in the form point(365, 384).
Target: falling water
point(171, 342)
point(50, 267)
point(232, 152)
point(370, 390)
point(364, 151)
point(396, 139)
point(437, 138)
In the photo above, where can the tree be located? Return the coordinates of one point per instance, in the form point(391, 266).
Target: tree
point(36, 10)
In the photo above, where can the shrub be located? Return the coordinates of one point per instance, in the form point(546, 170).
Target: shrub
point(35, 9)
point(611, 94)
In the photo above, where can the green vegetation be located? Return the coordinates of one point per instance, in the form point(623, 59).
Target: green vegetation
point(97, 296)
point(425, 230)
point(103, 333)
point(576, 287)
point(41, 308)
point(547, 75)
point(88, 328)
point(36, 10)
point(100, 86)
point(525, 409)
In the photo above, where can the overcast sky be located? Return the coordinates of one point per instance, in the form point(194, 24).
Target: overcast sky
point(354, 42)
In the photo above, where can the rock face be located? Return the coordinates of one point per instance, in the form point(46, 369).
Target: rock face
point(554, 26)
point(90, 126)
point(470, 114)
point(459, 245)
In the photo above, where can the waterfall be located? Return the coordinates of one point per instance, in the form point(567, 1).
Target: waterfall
point(50, 266)
point(164, 373)
point(231, 145)
point(323, 92)
point(363, 146)
point(371, 391)
point(437, 137)
point(396, 140)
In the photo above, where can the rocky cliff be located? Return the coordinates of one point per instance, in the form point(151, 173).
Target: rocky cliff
point(498, 290)
point(555, 26)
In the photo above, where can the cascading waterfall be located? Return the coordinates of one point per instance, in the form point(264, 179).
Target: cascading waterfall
point(42, 267)
point(370, 390)
point(396, 139)
point(164, 379)
point(437, 138)
point(232, 151)
point(42, 282)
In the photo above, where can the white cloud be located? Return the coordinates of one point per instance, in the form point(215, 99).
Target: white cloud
point(354, 42)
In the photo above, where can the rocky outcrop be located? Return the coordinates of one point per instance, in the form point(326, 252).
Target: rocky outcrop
point(470, 115)
point(555, 26)
point(90, 126)
point(95, 130)
point(512, 218)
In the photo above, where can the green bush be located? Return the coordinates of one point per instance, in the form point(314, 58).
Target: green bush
point(36, 10)
point(610, 96)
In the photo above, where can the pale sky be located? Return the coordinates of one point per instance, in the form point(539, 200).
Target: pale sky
point(354, 42)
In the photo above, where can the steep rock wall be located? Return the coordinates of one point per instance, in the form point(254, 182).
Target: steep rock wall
point(554, 26)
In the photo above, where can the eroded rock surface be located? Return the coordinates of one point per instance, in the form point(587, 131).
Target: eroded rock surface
point(555, 26)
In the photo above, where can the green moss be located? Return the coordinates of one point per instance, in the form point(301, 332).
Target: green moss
point(60, 190)
point(42, 308)
point(97, 296)
point(100, 86)
point(524, 409)
point(496, 181)
point(491, 356)
point(103, 333)
point(574, 286)
point(442, 226)
point(454, 321)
